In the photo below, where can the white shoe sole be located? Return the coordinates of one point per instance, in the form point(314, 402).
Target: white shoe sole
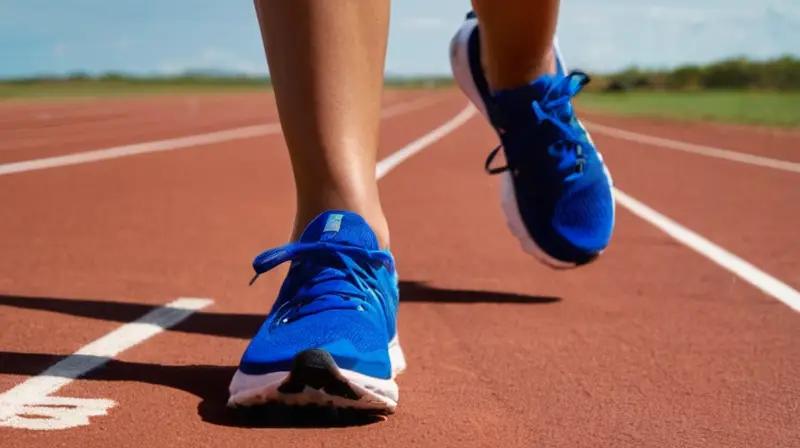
point(322, 384)
point(459, 63)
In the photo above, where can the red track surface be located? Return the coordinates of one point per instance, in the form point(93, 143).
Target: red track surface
point(653, 346)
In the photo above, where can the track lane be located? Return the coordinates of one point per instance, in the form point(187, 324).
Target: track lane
point(766, 142)
point(638, 351)
point(32, 131)
point(743, 208)
point(130, 232)
point(653, 343)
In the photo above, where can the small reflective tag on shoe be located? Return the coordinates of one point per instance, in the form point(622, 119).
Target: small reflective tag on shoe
point(334, 223)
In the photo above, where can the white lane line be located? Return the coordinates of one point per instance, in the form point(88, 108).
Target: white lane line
point(708, 151)
point(396, 158)
point(30, 405)
point(739, 267)
point(139, 148)
point(733, 263)
point(181, 142)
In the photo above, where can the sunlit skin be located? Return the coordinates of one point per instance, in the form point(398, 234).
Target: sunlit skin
point(326, 62)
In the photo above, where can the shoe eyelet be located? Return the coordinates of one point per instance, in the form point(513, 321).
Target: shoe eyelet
point(579, 166)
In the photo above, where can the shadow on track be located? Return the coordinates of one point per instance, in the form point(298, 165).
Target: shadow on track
point(208, 382)
point(244, 326)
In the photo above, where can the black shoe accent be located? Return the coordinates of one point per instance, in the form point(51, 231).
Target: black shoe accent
point(316, 368)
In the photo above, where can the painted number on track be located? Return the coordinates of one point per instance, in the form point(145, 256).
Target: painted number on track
point(32, 405)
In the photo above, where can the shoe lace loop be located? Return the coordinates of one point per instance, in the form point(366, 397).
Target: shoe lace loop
point(331, 262)
point(554, 108)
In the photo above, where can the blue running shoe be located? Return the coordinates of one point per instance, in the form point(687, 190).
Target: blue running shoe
point(556, 190)
point(330, 338)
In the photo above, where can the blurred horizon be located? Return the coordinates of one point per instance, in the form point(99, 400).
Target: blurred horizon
point(150, 38)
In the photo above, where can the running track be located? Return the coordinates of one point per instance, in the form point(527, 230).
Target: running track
point(661, 343)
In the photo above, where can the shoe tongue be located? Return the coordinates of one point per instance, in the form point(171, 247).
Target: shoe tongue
point(342, 227)
point(516, 103)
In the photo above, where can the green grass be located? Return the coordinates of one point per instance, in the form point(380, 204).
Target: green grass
point(94, 88)
point(781, 109)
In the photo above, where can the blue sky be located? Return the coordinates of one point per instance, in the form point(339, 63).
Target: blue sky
point(146, 36)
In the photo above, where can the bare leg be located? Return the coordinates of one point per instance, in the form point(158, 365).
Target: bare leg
point(516, 40)
point(326, 61)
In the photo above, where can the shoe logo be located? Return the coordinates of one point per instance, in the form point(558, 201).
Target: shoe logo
point(334, 223)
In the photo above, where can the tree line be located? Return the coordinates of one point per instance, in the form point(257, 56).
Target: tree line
point(781, 73)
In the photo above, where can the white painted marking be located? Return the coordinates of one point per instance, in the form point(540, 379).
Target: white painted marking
point(44, 413)
point(744, 270)
point(30, 405)
point(708, 151)
point(139, 148)
point(389, 163)
point(182, 142)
